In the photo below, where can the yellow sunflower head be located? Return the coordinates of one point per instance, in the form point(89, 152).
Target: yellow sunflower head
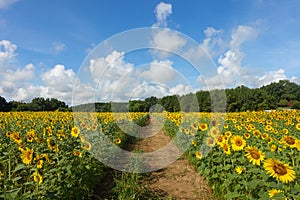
point(239, 169)
point(256, 133)
point(289, 141)
point(75, 132)
point(237, 142)
point(226, 148)
point(264, 136)
point(198, 155)
point(273, 147)
point(87, 146)
point(26, 155)
point(39, 164)
point(210, 141)
point(279, 170)
point(37, 178)
point(285, 131)
point(247, 135)
point(228, 134)
point(118, 141)
point(203, 126)
point(273, 192)
point(254, 155)
point(298, 126)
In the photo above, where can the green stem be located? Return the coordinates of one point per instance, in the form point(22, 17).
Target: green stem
point(9, 167)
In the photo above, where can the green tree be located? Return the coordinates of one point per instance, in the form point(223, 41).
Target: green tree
point(3, 105)
point(283, 103)
point(296, 105)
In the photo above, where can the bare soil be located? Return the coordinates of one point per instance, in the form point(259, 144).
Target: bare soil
point(178, 180)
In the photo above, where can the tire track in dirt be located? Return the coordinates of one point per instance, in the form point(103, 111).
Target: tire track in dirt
point(178, 180)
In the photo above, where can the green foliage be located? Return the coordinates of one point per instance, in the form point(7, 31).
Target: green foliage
point(283, 103)
point(296, 105)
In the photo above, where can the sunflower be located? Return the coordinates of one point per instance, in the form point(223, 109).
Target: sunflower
point(1, 174)
point(187, 131)
point(289, 141)
point(118, 141)
point(87, 146)
point(237, 142)
point(264, 136)
point(239, 169)
point(247, 135)
point(279, 170)
point(298, 126)
point(226, 148)
point(8, 134)
point(203, 126)
point(273, 192)
point(16, 137)
point(39, 164)
point(256, 133)
point(273, 147)
point(46, 157)
point(210, 141)
point(51, 145)
point(225, 126)
point(198, 155)
point(75, 132)
point(77, 153)
point(194, 143)
point(26, 155)
point(220, 140)
point(228, 134)
point(214, 132)
point(268, 128)
point(194, 126)
point(285, 131)
point(37, 177)
point(254, 155)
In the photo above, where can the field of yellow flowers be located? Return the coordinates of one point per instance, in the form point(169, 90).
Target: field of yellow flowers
point(244, 155)
point(45, 155)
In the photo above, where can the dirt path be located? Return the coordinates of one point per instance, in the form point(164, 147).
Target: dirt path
point(178, 180)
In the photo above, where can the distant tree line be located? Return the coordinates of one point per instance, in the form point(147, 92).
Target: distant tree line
point(281, 94)
point(37, 104)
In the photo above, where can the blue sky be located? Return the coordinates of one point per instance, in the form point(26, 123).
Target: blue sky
point(43, 45)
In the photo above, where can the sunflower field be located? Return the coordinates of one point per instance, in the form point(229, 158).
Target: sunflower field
point(243, 155)
point(46, 155)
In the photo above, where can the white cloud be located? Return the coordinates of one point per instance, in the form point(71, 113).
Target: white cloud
point(58, 47)
point(6, 3)
point(230, 71)
point(7, 51)
point(162, 11)
point(166, 42)
point(211, 31)
point(113, 76)
point(13, 82)
point(182, 89)
point(112, 67)
point(241, 35)
point(271, 76)
point(27, 93)
point(20, 75)
point(211, 46)
point(58, 82)
point(160, 72)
